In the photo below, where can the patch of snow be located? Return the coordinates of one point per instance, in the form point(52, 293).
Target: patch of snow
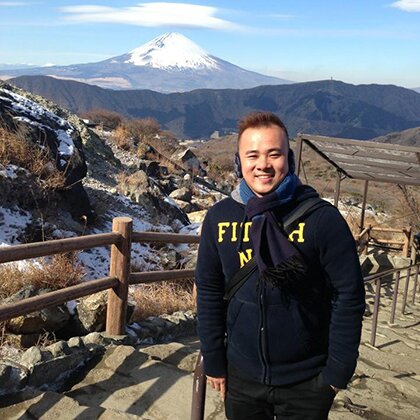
point(24, 105)
point(8, 171)
point(66, 146)
point(172, 51)
point(13, 222)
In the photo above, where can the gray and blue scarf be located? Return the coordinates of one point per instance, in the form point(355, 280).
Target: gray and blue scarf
point(279, 262)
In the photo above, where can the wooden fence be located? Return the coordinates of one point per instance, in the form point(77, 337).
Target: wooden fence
point(365, 238)
point(117, 282)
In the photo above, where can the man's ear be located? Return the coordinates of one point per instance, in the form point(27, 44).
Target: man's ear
point(291, 161)
point(237, 166)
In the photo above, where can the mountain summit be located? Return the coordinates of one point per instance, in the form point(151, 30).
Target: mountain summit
point(171, 51)
point(168, 63)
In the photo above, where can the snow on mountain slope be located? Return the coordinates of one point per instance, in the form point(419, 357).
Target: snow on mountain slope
point(171, 51)
point(168, 63)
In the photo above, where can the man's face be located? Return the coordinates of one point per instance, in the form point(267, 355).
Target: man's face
point(263, 154)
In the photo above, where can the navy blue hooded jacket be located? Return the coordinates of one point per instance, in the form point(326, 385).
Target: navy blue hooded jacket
point(276, 336)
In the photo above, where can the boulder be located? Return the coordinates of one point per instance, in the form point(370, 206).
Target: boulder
point(90, 314)
point(183, 194)
point(47, 127)
point(48, 319)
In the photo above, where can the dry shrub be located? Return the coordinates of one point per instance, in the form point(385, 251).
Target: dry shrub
point(17, 150)
point(162, 298)
point(107, 118)
point(142, 129)
point(121, 138)
point(57, 272)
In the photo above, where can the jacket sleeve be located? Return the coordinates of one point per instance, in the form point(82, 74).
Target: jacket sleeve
point(210, 283)
point(340, 262)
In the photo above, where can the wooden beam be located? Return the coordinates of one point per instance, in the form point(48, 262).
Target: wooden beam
point(399, 166)
point(57, 246)
point(337, 188)
point(55, 298)
point(362, 214)
point(161, 237)
point(361, 143)
point(391, 180)
point(324, 156)
point(298, 155)
point(120, 268)
point(152, 276)
point(411, 159)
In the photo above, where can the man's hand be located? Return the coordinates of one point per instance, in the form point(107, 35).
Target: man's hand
point(219, 384)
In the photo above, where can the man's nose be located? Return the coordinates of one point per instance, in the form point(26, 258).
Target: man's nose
point(262, 162)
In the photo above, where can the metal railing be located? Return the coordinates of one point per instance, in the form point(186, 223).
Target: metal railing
point(199, 384)
point(411, 271)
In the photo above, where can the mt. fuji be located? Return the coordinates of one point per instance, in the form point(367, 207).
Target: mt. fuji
point(168, 63)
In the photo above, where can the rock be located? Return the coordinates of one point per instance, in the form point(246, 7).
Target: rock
point(183, 194)
point(91, 314)
point(31, 356)
point(197, 216)
point(48, 127)
point(203, 203)
point(184, 206)
point(49, 319)
point(60, 348)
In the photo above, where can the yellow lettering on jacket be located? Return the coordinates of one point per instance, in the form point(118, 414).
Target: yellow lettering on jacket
point(298, 232)
point(222, 230)
point(246, 231)
point(244, 258)
point(234, 233)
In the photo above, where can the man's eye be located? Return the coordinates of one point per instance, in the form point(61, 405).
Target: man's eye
point(275, 155)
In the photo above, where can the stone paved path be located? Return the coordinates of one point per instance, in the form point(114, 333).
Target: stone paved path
point(155, 382)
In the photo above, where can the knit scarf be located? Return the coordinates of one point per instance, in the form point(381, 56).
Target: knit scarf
point(279, 262)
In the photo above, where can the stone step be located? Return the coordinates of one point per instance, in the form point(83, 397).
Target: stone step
point(133, 382)
point(33, 404)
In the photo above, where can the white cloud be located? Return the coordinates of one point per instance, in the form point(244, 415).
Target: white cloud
point(150, 14)
point(407, 5)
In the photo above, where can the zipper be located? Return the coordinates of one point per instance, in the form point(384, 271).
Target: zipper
point(262, 333)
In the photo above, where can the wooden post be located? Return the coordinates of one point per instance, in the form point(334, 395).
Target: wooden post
point(298, 156)
point(337, 188)
point(362, 215)
point(120, 268)
point(407, 238)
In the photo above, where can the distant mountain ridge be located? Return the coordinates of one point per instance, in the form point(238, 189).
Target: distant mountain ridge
point(168, 63)
point(328, 107)
point(410, 137)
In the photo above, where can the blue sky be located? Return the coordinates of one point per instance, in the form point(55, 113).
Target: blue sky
point(356, 41)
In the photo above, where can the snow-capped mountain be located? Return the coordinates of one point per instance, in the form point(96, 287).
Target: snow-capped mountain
point(168, 63)
point(171, 51)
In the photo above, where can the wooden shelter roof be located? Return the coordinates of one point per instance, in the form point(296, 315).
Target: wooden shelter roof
point(367, 160)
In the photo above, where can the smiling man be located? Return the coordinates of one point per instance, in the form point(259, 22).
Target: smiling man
point(284, 339)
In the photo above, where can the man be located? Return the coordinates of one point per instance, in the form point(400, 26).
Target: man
point(288, 339)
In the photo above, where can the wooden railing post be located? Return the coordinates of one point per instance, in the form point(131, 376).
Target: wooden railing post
point(120, 268)
point(407, 238)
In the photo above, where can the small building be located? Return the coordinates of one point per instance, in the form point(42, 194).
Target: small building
point(187, 159)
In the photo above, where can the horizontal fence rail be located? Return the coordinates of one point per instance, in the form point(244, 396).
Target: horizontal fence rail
point(56, 246)
point(159, 237)
point(117, 283)
point(55, 298)
point(153, 276)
